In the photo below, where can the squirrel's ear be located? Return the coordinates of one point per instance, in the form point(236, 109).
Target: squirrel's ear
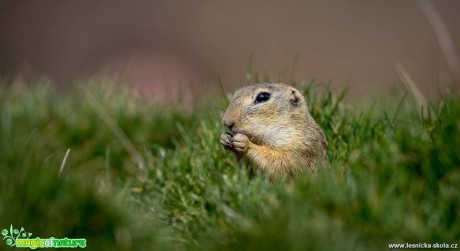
point(295, 100)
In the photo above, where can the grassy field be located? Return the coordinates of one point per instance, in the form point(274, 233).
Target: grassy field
point(128, 174)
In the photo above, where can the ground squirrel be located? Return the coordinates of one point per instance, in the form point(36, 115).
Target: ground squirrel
point(270, 124)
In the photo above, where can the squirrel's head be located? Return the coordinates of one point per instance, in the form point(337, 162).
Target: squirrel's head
point(268, 113)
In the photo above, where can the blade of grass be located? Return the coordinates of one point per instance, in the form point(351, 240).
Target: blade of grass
point(64, 161)
point(118, 132)
point(411, 86)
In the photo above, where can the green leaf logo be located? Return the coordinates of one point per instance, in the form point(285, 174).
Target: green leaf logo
point(13, 234)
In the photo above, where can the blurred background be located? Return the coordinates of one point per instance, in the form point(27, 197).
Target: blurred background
point(128, 174)
point(178, 48)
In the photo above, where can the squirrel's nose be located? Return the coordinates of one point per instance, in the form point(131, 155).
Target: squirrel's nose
point(228, 123)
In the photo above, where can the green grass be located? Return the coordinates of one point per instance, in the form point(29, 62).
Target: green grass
point(166, 183)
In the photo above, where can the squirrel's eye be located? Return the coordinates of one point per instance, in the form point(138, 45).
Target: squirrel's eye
point(262, 97)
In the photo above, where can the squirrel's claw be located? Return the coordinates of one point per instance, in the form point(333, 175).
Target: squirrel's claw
point(226, 141)
point(240, 142)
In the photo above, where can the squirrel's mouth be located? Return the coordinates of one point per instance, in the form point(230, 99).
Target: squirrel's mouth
point(231, 133)
point(234, 132)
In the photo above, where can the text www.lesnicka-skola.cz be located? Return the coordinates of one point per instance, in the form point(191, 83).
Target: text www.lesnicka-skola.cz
point(422, 245)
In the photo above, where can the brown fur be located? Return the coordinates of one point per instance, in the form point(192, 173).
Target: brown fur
point(278, 136)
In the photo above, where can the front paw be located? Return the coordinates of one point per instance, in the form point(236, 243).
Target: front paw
point(226, 141)
point(240, 143)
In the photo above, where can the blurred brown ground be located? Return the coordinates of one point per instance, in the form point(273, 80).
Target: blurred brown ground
point(171, 48)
